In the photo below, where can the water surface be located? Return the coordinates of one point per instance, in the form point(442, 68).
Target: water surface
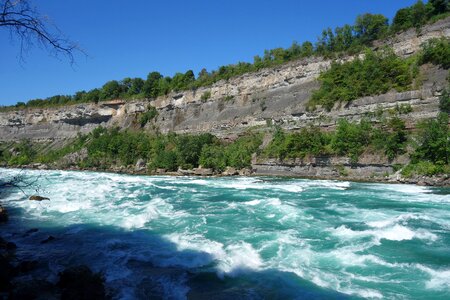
point(240, 237)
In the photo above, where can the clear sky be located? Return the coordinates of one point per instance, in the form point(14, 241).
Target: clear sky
point(131, 38)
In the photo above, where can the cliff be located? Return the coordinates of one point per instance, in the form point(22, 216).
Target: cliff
point(270, 96)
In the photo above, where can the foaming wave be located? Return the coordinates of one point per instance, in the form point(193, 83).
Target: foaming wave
point(239, 259)
point(439, 279)
point(394, 233)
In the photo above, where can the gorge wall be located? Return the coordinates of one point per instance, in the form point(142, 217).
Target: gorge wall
point(271, 96)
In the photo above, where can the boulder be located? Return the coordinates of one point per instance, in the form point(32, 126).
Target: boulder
point(185, 172)
point(203, 171)
point(141, 165)
point(3, 215)
point(161, 171)
point(38, 198)
point(230, 171)
point(245, 172)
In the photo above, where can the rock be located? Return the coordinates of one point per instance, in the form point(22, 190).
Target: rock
point(141, 165)
point(10, 246)
point(203, 171)
point(33, 289)
point(6, 273)
point(185, 172)
point(38, 198)
point(230, 171)
point(245, 172)
point(27, 266)
point(161, 171)
point(3, 215)
point(49, 239)
point(80, 282)
point(30, 231)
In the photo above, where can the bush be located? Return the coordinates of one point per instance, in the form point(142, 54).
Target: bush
point(444, 101)
point(351, 138)
point(149, 115)
point(309, 141)
point(425, 168)
point(433, 141)
point(377, 73)
point(437, 52)
point(205, 96)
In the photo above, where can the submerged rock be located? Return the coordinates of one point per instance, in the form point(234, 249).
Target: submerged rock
point(49, 239)
point(38, 198)
point(3, 215)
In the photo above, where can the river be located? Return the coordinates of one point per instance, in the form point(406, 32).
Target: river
point(237, 237)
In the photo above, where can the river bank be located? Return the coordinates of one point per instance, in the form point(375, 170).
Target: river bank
point(191, 237)
point(364, 173)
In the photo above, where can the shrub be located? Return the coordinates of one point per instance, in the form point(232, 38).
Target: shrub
point(377, 73)
point(436, 51)
point(149, 115)
point(205, 96)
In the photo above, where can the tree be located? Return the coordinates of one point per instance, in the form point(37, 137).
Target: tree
point(25, 23)
point(440, 6)
point(369, 27)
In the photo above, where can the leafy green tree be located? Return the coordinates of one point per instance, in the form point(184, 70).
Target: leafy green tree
point(370, 27)
point(433, 139)
point(110, 90)
point(351, 138)
point(213, 156)
point(444, 101)
point(437, 51)
point(151, 85)
point(440, 6)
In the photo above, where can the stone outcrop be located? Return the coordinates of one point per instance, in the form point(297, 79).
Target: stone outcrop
point(274, 95)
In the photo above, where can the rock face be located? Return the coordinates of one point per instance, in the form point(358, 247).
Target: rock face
point(275, 95)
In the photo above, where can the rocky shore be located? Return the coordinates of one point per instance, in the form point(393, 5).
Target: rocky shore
point(376, 173)
point(21, 278)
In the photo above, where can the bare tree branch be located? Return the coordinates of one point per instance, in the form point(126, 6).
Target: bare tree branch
point(21, 182)
point(26, 24)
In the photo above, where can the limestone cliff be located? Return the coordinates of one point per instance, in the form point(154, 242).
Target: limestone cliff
point(274, 95)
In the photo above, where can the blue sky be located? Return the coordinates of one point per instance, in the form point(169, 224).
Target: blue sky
point(131, 38)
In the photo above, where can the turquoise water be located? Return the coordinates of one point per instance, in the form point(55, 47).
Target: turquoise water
point(243, 238)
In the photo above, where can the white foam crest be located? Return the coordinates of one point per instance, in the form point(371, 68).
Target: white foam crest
point(253, 202)
point(439, 279)
point(198, 243)
point(405, 188)
point(394, 233)
point(239, 258)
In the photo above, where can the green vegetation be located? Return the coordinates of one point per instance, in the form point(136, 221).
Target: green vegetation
point(107, 148)
point(309, 141)
point(444, 101)
point(419, 14)
point(437, 52)
point(348, 39)
point(377, 73)
point(147, 116)
point(205, 96)
point(237, 154)
point(349, 139)
point(432, 153)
